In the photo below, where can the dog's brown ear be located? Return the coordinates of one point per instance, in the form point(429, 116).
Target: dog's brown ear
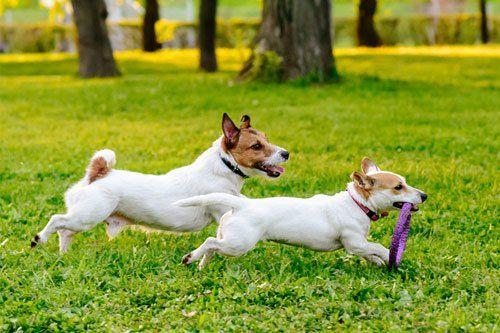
point(368, 166)
point(245, 122)
point(231, 132)
point(362, 181)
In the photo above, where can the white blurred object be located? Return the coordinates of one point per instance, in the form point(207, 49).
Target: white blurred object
point(123, 9)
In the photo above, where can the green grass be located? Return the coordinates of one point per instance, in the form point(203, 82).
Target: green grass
point(433, 119)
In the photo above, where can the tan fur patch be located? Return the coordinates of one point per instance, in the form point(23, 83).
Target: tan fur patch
point(380, 181)
point(387, 181)
point(362, 192)
point(243, 151)
point(98, 168)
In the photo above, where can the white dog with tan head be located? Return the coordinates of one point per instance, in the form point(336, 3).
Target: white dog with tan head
point(121, 198)
point(321, 223)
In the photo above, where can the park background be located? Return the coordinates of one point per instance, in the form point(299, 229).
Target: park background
point(424, 103)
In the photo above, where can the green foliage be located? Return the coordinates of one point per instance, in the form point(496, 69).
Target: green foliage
point(433, 119)
point(239, 33)
point(29, 38)
point(32, 40)
point(266, 67)
point(447, 29)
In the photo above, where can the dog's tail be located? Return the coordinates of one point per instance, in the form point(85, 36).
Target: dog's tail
point(100, 165)
point(213, 199)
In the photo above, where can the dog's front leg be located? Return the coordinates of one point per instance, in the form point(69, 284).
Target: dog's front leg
point(114, 224)
point(373, 252)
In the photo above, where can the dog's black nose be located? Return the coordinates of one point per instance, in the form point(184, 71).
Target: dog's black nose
point(285, 154)
point(423, 196)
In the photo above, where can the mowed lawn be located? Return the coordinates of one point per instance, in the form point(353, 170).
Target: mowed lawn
point(430, 114)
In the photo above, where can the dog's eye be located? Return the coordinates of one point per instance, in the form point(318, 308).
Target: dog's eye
point(399, 187)
point(256, 146)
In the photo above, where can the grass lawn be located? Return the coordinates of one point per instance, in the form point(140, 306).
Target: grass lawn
point(431, 114)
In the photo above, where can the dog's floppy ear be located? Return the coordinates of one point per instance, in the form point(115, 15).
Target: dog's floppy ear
point(368, 166)
point(230, 131)
point(362, 181)
point(245, 121)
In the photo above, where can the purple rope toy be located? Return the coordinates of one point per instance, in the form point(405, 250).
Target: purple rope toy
point(400, 236)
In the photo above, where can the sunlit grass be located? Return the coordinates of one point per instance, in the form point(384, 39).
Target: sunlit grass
point(231, 59)
point(430, 117)
point(478, 51)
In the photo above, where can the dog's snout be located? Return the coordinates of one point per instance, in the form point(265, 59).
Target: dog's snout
point(285, 154)
point(423, 196)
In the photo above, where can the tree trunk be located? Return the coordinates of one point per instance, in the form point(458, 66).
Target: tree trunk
point(151, 16)
point(206, 35)
point(94, 47)
point(485, 38)
point(367, 35)
point(294, 41)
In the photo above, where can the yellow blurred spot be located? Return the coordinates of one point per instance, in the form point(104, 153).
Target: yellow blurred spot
point(231, 59)
point(475, 51)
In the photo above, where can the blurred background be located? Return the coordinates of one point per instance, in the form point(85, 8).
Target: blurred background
point(46, 25)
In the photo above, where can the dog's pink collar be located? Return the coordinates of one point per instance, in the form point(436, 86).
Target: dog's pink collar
point(370, 213)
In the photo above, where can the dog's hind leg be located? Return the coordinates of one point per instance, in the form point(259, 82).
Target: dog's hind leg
point(83, 216)
point(206, 259)
point(56, 222)
point(232, 248)
point(114, 224)
point(233, 245)
point(210, 254)
point(210, 245)
point(65, 239)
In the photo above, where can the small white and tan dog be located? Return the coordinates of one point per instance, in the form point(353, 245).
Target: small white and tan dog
point(321, 223)
point(121, 197)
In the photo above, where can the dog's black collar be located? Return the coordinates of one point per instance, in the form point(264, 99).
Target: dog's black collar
point(233, 168)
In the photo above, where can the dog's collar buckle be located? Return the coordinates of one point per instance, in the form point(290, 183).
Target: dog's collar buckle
point(233, 168)
point(370, 213)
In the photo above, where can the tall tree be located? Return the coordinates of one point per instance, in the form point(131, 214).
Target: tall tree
point(366, 33)
point(94, 47)
point(485, 37)
point(206, 35)
point(151, 16)
point(294, 41)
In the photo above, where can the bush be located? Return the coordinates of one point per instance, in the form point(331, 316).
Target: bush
point(126, 35)
point(266, 67)
point(29, 38)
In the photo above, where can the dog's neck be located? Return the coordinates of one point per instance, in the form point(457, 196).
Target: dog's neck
point(351, 188)
point(210, 162)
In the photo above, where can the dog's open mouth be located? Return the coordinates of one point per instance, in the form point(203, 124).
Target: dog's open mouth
point(399, 205)
point(273, 171)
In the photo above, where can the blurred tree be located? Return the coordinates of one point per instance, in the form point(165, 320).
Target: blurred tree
point(94, 47)
point(206, 35)
point(151, 16)
point(485, 38)
point(365, 29)
point(294, 41)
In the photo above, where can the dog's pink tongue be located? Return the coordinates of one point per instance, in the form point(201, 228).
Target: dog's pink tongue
point(276, 168)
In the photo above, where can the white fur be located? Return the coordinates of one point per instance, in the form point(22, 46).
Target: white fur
point(144, 199)
point(321, 223)
point(108, 155)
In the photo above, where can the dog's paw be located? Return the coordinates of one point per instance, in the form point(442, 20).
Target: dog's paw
point(34, 241)
point(377, 261)
point(186, 260)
